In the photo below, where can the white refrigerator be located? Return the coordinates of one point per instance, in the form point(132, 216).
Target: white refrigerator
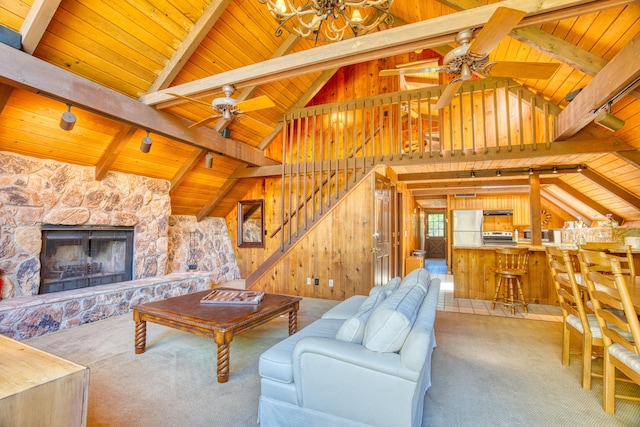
point(467, 227)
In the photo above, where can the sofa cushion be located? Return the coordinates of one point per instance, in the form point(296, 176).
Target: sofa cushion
point(390, 323)
point(387, 288)
point(352, 330)
point(346, 308)
point(419, 276)
point(277, 364)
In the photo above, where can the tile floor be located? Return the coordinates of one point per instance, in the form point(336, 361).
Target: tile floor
point(447, 302)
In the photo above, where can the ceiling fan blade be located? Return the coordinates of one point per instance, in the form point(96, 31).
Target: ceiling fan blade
point(448, 94)
point(257, 103)
point(204, 121)
point(410, 70)
point(497, 27)
point(197, 101)
point(523, 70)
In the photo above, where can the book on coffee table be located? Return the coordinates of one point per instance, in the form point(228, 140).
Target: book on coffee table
point(233, 296)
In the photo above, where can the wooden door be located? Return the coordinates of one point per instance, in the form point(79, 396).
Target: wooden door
point(381, 248)
point(435, 235)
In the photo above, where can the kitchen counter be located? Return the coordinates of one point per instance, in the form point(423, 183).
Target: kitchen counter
point(473, 276)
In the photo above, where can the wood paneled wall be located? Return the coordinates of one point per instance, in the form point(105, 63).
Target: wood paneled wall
point(337, 246)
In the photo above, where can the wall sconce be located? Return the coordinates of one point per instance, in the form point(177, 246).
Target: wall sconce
point(208, 160)
point(68, 119)
point(146, 143)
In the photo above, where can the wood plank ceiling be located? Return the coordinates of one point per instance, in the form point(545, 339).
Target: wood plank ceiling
point(117, 62)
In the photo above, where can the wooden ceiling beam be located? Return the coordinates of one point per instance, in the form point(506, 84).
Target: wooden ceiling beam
point(420, 35)
point(562, 204)
point(23, 71)
point(583, 199)
point(612, 187)
point(621, 73)
point(36, 22)
point(113, 151)
point(189, 45)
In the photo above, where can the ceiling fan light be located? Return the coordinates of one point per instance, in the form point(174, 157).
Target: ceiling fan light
point(465, 72)
point(356, 17)
point(226, 114)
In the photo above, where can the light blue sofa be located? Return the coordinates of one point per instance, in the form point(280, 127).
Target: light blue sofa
point(366, 362)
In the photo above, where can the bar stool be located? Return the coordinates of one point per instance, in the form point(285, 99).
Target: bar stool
point(511, 265)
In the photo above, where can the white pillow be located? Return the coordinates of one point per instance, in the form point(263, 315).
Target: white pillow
point(352, 330)
point(391, 322)
point(388, 288)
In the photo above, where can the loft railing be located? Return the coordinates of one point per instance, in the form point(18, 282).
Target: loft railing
point(327, 148)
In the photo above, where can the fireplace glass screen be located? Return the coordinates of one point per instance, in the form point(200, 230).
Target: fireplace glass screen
point(78, 257)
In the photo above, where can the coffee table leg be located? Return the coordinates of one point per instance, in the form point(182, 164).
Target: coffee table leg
point(293, 321)
point(141, 333)
point(223, 363)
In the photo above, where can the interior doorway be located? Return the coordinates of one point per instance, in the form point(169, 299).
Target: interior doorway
point(435, 240)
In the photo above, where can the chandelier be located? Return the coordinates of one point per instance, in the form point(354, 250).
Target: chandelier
point(328, 20)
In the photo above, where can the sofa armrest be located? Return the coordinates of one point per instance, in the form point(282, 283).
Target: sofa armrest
point(347, 380)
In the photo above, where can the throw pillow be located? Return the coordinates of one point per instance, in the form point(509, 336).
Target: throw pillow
point(387, 288)
point(391, 322)
point(352, 330)
point(419, 276)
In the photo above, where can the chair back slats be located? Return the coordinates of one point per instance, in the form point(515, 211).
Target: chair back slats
point(561, 266)
point(623, 252)
point(609, 291)
point(512, 260)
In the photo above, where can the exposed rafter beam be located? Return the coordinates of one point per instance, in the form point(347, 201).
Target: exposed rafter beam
point(206, 21)
point(115, 148)
point(612, 187)
point(583, 199)
point(23, 71)
point(36, 22)
point(420, 35)
point(570, 209)
point(620, 73)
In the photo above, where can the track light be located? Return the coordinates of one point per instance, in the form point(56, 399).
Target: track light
point(473, 174)
point(498, 173)
point(146, 143)
point(579, 168)
point(555, 169)
point(68, 119)
point(208, 160)
point(607, 120)
point(530, 171)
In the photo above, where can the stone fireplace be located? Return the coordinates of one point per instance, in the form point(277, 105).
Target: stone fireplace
point(78, 257)
point(40, 195)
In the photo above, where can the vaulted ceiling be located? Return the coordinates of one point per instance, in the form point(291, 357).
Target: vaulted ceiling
point(121, 64)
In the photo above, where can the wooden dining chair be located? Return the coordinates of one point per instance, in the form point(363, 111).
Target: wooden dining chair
point(617, 319)
point(617, 249)
point(575, 318)
point(511, 266)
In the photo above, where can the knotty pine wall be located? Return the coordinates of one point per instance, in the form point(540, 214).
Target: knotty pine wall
point(337, 246)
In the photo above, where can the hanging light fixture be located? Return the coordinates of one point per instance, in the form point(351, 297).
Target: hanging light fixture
point(328, 20)
point(498, 173)
point(607, 120)
point(579, 168)
point(208, 160)
point(145, 146)
point(555, 169)
point(68, 119)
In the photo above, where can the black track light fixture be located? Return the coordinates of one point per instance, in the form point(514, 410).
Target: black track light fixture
point(145, 146)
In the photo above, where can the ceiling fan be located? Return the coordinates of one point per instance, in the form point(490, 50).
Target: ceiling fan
point(229, 108)
point(473, 56)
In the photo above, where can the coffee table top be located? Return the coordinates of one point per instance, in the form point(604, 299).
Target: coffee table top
point(220, 317)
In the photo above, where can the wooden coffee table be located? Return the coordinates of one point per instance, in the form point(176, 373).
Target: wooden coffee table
point(220, 322)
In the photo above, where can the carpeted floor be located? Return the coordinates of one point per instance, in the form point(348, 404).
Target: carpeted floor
point(487, 371)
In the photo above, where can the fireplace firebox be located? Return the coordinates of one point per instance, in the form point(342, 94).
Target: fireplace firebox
point(76, 257)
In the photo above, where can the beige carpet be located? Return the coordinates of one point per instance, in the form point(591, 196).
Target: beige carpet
point(487, 371)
